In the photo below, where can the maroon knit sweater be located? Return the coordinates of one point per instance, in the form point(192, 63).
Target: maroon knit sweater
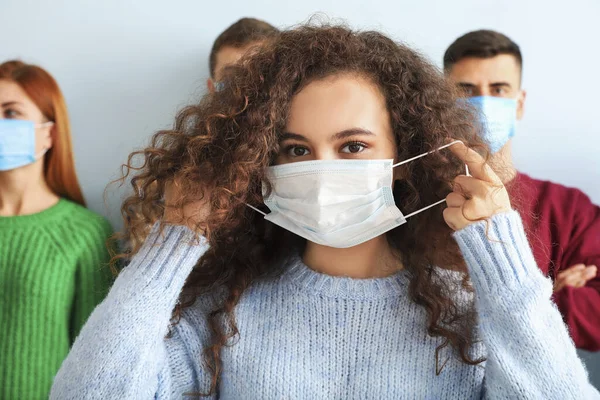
point(563, 226)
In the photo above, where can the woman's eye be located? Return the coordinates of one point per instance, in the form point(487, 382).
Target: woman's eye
point(353, 148)
point(8, 113)
point(467, 91)
point(297, 151)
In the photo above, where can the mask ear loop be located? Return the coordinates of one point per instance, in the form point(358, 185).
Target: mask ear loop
point(43, 151)
point(426, 154)
point(256, 209)
point(423, 155)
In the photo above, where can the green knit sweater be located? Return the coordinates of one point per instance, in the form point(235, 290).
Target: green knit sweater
point(53, 272)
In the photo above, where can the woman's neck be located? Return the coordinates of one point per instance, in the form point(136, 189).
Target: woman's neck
point(24, 191)
point(372, 259)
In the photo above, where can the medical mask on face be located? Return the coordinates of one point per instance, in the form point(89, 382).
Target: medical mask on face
point(338, 203)
point(498, 117)
point(17, 143)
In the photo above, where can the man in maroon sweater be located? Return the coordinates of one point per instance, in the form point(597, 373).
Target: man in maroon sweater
point(563, 225)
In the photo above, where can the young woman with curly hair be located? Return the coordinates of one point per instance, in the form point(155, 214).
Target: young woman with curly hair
point(293, 254)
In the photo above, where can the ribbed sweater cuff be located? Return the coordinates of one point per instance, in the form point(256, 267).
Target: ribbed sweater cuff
point(164, 261)
point(499, 258)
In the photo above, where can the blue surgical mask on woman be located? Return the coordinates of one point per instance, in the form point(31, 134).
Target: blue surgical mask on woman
point(17, 143)
point(498, 117)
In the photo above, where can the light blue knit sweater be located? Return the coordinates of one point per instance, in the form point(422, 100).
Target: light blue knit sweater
point(306, 335)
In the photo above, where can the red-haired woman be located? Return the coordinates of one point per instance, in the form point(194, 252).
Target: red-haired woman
point(52, 249)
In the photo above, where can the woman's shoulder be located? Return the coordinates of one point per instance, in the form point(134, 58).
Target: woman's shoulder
point(86, 221)
point(81, 231)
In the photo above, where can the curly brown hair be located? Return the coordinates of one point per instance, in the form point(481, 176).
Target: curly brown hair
point(226, 142)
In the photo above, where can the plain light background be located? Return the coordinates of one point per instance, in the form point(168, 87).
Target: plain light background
point(126, 67)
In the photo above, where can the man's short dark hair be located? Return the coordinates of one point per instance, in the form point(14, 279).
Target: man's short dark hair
point(240, 34)
point(481, 44)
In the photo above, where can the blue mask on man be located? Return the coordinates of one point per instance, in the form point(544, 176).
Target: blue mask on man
point(17, 143)
point(498, 117)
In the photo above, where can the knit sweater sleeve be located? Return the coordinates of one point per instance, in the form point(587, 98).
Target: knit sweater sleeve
point(530, 353)
point(92, 276)
point(121, 352)
point(580, 306)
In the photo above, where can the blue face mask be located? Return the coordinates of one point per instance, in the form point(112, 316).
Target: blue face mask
point(17, 143)
point(498, 117)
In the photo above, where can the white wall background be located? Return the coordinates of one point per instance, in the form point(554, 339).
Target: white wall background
point(126, 66)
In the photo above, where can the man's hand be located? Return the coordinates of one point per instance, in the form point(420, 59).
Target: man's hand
point(575, 276)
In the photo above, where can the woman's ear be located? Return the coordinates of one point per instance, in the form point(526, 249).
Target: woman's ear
point(210, 85)
point(48, 137)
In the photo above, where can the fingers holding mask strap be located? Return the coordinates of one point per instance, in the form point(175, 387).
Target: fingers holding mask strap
point(455, 200)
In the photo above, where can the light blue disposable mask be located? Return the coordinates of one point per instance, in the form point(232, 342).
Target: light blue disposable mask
point(337, 203)
point(17, 143)
point(498, 117)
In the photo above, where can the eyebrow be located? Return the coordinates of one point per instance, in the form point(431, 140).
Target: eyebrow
point(11, 103)
point(226, 69)
point(500, 84)
point(346, 133)
point(494, 84)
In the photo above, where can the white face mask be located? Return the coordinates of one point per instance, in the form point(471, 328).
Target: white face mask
point(338, 203)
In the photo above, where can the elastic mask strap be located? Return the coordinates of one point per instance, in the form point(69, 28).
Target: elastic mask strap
point(41, 154)
point(423, 155)
point(44, 151)
point(256, 209)
point(426, 154)
point(424, 208)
